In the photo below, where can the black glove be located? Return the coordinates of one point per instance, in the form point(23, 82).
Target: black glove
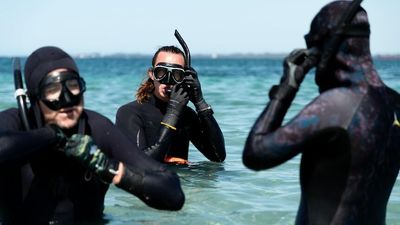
point(177, 102)
point(193, 83)
point(85, 151)
point(296, 65)
point(195, 93)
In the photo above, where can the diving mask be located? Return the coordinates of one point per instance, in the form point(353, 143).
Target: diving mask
point(61, 90)
point(167, 73)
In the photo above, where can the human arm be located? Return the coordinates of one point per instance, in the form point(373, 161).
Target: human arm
point(263, 148)
point(175, 107)
point(157, 140)
point(158, 188)
point(17, 146)
point(141, 175)
point(206, 136)
point(205, 132)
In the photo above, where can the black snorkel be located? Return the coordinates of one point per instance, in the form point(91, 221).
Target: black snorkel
point(187, 58)
point(337, 37)
point(20, 93)
point(185, 48)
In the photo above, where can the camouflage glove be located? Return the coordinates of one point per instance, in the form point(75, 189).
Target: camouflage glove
point(60, 138)
point(85, 151)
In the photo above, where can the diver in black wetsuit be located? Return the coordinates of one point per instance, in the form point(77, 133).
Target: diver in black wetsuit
point(72, 154)
point(159, 121)
point(349, 136)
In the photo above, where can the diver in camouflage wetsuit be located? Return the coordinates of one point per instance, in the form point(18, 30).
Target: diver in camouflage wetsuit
point(349, 135)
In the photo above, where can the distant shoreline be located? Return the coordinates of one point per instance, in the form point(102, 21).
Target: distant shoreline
point(207, 56)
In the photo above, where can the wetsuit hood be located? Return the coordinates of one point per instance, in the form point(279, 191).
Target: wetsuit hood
point(37, 66)
point(41, 62)
point(345, 67)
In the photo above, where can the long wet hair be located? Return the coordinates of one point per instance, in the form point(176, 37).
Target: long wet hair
point(146, 89)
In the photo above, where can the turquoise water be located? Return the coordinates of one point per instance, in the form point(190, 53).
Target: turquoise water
point(226, 193)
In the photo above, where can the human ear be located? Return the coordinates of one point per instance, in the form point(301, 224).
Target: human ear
point(150, 73)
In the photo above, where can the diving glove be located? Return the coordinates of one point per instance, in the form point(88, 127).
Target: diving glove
point(177, 102)
point(295, 66)
point(195, 93)
point(85, 151)
point(61, 139)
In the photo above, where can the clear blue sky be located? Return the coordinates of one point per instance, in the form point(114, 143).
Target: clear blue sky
point(208, 26)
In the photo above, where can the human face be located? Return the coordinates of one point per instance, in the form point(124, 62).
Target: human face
point(162, 90)
point(64, 118)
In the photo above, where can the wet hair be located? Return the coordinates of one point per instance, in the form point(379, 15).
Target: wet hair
point(146, 89)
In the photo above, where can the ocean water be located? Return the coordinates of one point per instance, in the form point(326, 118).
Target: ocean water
point(216, 193)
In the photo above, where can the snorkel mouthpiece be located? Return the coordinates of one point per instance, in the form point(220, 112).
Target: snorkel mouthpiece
point(169, 91)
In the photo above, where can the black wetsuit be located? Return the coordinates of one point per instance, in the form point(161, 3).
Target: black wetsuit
point(62, 189)
point(141, 123)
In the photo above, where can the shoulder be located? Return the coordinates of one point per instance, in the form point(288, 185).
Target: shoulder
point(138, 109)
point(95, 118)
point(99, 125)
point(10, 112)
point(9, 119)
point(93, 114)
point(335, 107)
point(338, 97)
point(129, 107)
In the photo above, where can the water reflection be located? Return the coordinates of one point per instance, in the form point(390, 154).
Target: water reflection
point(199, 174)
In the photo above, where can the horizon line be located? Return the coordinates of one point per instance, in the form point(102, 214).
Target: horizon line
point(200, 55)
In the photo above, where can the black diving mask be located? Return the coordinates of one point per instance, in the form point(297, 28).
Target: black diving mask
point(167, 73)
point(61, 90)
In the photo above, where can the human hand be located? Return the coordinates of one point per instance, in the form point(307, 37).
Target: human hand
point(193, 83)
point(82, 148)
point(178, 100)
point(296, 66)
point(59, 135)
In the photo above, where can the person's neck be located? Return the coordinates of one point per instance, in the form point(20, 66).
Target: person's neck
point(161, 104)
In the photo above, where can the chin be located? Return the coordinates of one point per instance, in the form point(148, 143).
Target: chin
point(69, 121)
point(67, 124)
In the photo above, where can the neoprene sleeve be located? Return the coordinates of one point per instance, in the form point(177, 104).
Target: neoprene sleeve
point(158, 189)
point(160, 148)
point(210, 140)
point(270, 119)
point(17, 147)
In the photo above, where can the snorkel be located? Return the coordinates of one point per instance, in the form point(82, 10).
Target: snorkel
point(185, 48)
point(188, 61)
point(20, 93)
